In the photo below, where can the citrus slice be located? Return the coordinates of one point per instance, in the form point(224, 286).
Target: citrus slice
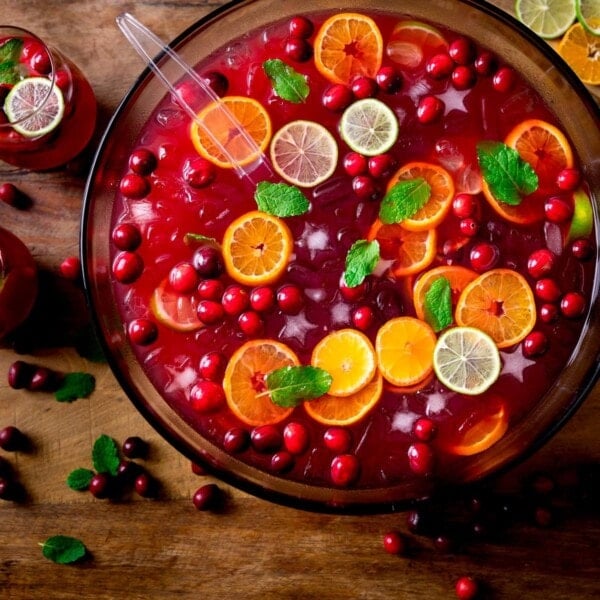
point(334, 410)
point(466, 360)
point(411, 42)
point(348, 356)
point(34, 106)
point(440, 199)
point(582, 222)
point(244, 381)
point(581, 50)
point(404, 348)
point(240, 125)
point(499, 303)
point(256, 248)
point(173, 309)
point(458, 277)
point(369, 127)
point(304, 153)
point(347, 45)
point(410, 252)
point(547, 18)
point(588, 14)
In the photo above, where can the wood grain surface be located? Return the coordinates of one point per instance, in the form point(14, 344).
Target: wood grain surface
point(164, 548)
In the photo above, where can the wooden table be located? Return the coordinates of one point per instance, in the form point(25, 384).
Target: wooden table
point(164, 548)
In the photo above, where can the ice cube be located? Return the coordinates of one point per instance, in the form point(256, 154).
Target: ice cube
point(403, 421)
point(449, 155)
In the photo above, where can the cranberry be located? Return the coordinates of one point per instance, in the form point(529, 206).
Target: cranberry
point(127, 267)
point(344, 469)
point(8, 489)
point(355, 164)
point(466, 588)
point(352, 293)
point(535, 344)
point(485, 63)
point(548, 313)
point(198, 172)
point(142, 161)
point(547, 289)
point(420, 458)
point(568, 179)
point(543, 516)
point(266, 438)
point(142, 331)
point(63, 80)
point(101, 485)
point(381, 166)
point(430, 109)
point(43, 379)
point(126, 237)
point(207, 497)
point(207, 260)
point(134, 186)
point(146, 486)
point(504, 79)
point(558, 210)
point(295, 437)
point(388, 79)
point(540, 263)
point(463, 77)
point(20, 374)
point(210, 289)
point(337, 439)
point(70, 268)
point(290, 299)
point(135, 447)
point(127, 471)
point(469, 227)
point(572, 305)
point(30, 47)
point(301, 27)
point(424, 429)
point(235, 300)
point(212, 366)
point(262, 298)
point(363, 317)
point(484, 256)
point(236, 440)
point(197, 469)
point(40, 61)
point(365, 187)
point(281, 462)
point(394, 543)
point(464, 205)
point(420, 521)
point(439, 66)
point(298, 49)
point(14, 197)
point(210, 312)
point(12, 439)
point(207, 396)
point(364, 87)
point(216, 81)
point(251, 323)
point(183, 278)
point(462, 51)
point(582, 249)
point(443, 543)
point(337, 97)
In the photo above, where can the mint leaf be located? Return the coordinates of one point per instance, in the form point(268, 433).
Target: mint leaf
point(280, 199)
point(507, 175)
point(63, 549)
point(9, 73)
point(191, 238)
point(404, 199)
point(105, 455)
point(74, 386)
point(361, 260)
point(11, 50)
point(438, 304)
point(287, 82)
point(291, 385)
point(80, 479)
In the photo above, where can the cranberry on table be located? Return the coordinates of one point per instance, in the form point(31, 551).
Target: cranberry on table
point(142, 161)
point(463, 77)
point(337, 97)
point(207, 260)
point(12, 439)
point(430, 109)
point(13, 196)
point(8, 489)
point(535, 344)
point(70, 268)
point(389, 79)
point(199, 172)
point(251, 323)
point(301, 27)
point(127, 266)
point(101, 486)
point(207, 396)
point(344, 469)
point(211, 289)
point(207, 497)
point(262, 298)
point(337, 439)
point(504, 79)
point(212, 366)
point(20, 374)
point(568, 179)
point(484, 256)
point(217, 82)
point(439, 66)
point(126, 236)
point(394, 543)
point(142, 331)
point(298, 49)
point(135, 447)
point(466, 588)
point(355, 164)
point(573, 305)
point(364, 87)
point(381, 165)
point(236, 440)
point(146, 486)
point(295, 437)
point(235, 299)
point(363, 317)
point(540, 263)
point(266, 438)
point(290, 299)
point(210, 311)
point(420, 458)
point(134, 186)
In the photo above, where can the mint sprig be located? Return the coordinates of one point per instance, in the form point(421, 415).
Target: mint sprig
point(361, 260)
point(80, 479)
point(63, 549)
point(438, 304)
point(289, 386)
point(508, 176)
point(105, 455)
point(74, 386)
point(10, 51)
point(287, 82)
point(280, 199)
point(404, 199)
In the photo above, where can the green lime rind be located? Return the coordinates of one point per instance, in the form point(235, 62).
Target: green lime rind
point(582, 222)
point(549, 19)
point(588, 14)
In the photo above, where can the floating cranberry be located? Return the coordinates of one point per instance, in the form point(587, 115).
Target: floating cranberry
point(251, 323)
point(365, 187)
point(127, 267)
point(210, 289)
point(281, 462)
point(381, 166)
point(355, 164)
point(295, 437)
point(484, 256)
point(364, 87)
point(290, 299)
point(485, 63)
point(424, 429)
point(207, 497)
point(210, 311)
point(146, 486)
point(363, 317)
point(266, 438)
point(462, 51)
point(207, 260)
point(298, 49)
point(40, 62)
point(212, 366)
point(235, 299)
point(504, 79)
point(134, 186)
point(463, 77)
point(558, 210)
point(142, 161)
point(12, 439)
point(568, 179)
point(236, 440)
point(183, 278)
point(420, 458)
point(301, 27)
point(430, 109)
point(572, 305)
point(469, 227)
point(126, 237)
point(20, 374)
point(582, 249)
point(216, 81)
point(548, 313)
point(142, 331)
point(352, 294)
point(464, 205)
point(540, 263)
point(101, 485)
point(547, 289)
point(466, 588)
point(198, 172)
point(439, 66)
point(262, 299)
point(344, 469)
point(207, 396)
point(389, 79)
point(13, 196)
point(394, 543)
point(337, 97)
point(535, 344)
point(337, 439)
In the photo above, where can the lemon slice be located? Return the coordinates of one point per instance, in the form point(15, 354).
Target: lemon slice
point(304, 153)
point(548, 18)
point(175, 310)
point(34, 106)
point(369, 127)
point(588, 14)
point(466, 360)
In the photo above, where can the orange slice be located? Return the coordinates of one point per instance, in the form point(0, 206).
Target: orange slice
point(256, 248)
point(347, 45)
point(334, 410)
point(173, 309)
point(580, 49)
point(440, 200)
point(243, 129)
point(349, 357)
point(244, 381)
point(410, 251)
point(457, 276)
point(404, 348)
point(499, 303)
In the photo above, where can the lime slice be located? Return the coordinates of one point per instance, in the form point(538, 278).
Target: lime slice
point(588, 14)
point(304, 153)
point(466, 360)
point(175, 310)
point(582, 222)
point(369, 127)
point(412, 41)
point(548, 18)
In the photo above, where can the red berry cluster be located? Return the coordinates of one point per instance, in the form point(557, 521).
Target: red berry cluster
point(32, 377)
point(11, 440)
